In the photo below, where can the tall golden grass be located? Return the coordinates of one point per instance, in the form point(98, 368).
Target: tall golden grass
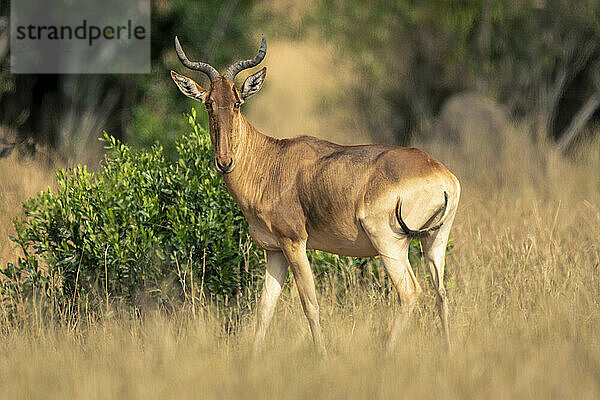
point(523, 283)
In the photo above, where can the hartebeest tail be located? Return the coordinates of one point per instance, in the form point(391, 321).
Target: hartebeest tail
point(423, 231)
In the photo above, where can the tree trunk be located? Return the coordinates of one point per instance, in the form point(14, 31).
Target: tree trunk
point(578, 122)
point(3, 37)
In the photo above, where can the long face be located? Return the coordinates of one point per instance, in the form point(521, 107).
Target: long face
point(223, 101)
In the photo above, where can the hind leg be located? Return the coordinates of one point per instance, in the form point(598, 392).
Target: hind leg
point(393, 251)
point(395, 260)
point(434, 247)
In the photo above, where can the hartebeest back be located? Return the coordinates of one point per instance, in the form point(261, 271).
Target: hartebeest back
point(306, 193)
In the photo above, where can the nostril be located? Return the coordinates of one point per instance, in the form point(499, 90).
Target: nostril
point(225, 168)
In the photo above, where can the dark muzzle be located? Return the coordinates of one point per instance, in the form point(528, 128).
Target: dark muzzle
point(224, 168)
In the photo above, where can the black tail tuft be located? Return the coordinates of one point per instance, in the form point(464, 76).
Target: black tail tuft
point(423, 231)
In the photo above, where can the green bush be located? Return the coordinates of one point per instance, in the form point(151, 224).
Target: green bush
point(139, 222)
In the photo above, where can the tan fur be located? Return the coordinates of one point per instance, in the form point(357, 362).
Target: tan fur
point(307, 193)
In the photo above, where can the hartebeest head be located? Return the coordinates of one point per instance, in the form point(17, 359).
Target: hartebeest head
point(222, 100)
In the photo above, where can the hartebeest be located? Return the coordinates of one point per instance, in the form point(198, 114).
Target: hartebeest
point(307, 193)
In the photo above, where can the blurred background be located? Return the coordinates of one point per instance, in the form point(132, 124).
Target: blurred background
point(505, 93)
point(350, 71)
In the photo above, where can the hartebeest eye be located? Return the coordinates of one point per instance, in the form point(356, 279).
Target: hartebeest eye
point(236, 105)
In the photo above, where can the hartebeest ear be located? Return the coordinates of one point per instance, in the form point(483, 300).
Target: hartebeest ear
point(253, 83)
point(188, 87)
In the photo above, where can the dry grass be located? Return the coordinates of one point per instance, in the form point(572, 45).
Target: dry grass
point(523, 282)
point(524, 287)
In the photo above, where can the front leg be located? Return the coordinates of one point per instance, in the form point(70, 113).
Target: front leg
point(295, 253)
point(276, 271)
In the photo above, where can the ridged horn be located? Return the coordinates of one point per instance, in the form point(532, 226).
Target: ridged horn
point(196, 66)
point(242, 65)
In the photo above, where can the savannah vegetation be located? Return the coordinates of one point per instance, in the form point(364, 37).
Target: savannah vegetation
point(158, 302)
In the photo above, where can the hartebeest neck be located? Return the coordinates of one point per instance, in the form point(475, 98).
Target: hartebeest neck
point(255, 158)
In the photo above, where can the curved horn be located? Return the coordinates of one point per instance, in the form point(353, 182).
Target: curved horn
point(196, 66)
point(242, 65)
